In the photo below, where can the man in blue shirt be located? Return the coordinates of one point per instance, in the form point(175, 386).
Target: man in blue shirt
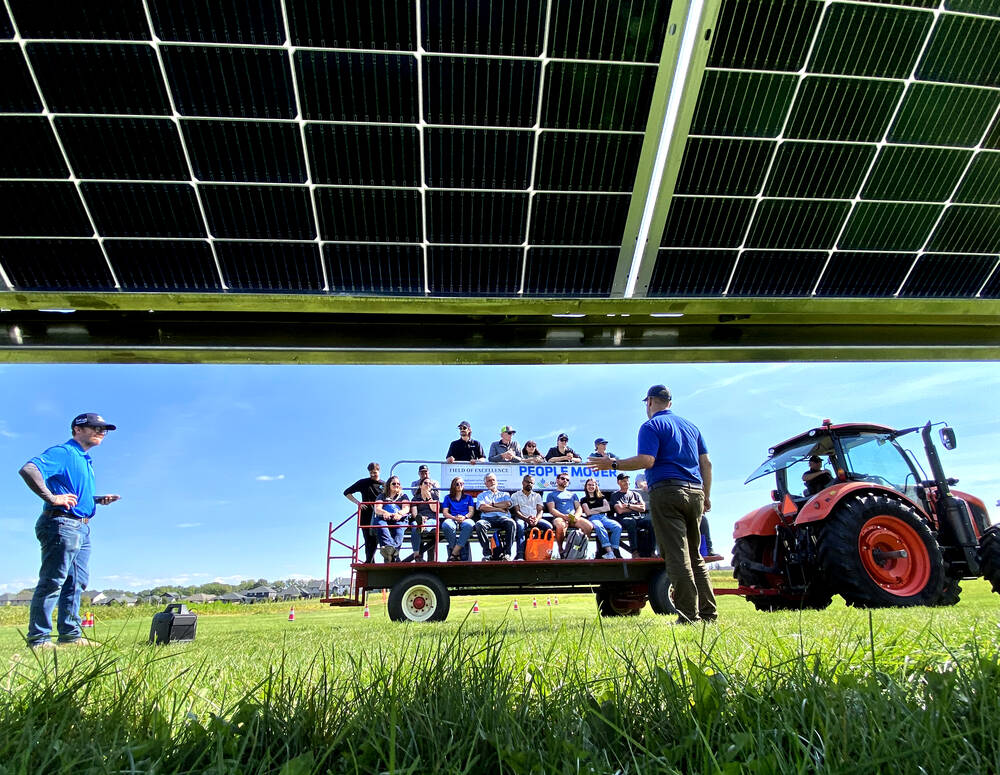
point(63, 477)
point(679, 473)
point(494, 513)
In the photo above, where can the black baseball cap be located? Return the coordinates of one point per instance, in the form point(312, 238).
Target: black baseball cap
point(563, 437)
point(658, 391)
point(423, 468)
point(622, 475)
point(92, 420)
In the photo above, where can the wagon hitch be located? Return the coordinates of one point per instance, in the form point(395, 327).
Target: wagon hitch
point(879, 556)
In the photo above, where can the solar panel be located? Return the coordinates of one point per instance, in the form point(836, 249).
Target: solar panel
point(469, 148)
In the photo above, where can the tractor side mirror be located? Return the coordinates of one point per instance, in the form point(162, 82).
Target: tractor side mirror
point(948, 440)
point(775, 496)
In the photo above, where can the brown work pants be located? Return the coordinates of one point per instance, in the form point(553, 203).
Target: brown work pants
point(676, 514)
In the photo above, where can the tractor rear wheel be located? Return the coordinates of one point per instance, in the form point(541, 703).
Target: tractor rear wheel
point(877, 552)
point(989, 557)
point(760, 550)
point(951, 592)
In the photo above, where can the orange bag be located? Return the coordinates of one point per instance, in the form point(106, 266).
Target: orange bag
point(538, 547)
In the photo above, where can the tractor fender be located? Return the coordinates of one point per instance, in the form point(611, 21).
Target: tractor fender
point(758, 523)
point(821, 504)
point(972, 500)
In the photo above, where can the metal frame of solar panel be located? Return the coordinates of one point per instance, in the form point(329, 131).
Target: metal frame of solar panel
point(731, 150)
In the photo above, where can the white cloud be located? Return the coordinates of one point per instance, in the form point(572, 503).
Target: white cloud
point(725, 382)
point(801, 411)
point(6, 433)
point(269, 478)
point(189, 524)
point(17, 585)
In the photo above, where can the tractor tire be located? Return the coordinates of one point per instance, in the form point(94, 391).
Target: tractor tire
point(760, 549)
point(612, 602)
point(989, 557)
point(420, 597)
point(951, 592)
point(860, 527)
point(659, 595)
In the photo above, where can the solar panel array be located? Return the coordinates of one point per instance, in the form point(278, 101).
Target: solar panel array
point(490, 148)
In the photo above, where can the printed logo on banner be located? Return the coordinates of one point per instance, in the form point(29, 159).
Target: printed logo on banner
point(509, 475)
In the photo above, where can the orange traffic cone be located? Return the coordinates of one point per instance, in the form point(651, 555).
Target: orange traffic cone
point(291, 614)
point(367, 614)
point(534, 602)
point(515, 604)
point(557, 599)
point(475, 607)
point(87, 621)
point(548, 601)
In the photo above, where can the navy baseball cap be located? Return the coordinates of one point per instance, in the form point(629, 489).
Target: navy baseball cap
point(563, 437)
point(464, 424)
point(600, 440)
point(658, 391)
point(92, 420)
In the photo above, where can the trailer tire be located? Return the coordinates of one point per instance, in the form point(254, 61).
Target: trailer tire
point(862, 526)
point(613, 600)
point(659, 594)
point(989, 557)
point(420, 597)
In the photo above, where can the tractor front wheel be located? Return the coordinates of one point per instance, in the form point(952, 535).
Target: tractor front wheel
point(989, 557)
point(420, 597)
point(877, 552)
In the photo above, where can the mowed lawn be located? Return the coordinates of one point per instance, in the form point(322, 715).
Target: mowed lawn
point(538, 690)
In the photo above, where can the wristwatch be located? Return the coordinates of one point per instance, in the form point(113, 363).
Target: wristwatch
point(614, 466)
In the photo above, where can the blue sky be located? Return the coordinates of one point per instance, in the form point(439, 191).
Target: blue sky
point(233, 472)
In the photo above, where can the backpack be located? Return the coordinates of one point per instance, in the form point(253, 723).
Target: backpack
point(576, 545)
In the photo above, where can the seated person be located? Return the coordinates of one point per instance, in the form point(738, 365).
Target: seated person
point(527, 512)
point(424, 473)
point(531, 454)
point(465, 449)
point(393, 509)
point(596, 508)
point(564, 509)
point(457, 520)
point(424, 511)
point(494, 512)
point(707, 552)
point(628, 508)
point(817, 477)
point(561, 453)
point(505, 450)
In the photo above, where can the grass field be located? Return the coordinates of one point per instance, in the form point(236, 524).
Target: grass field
point(553, 689)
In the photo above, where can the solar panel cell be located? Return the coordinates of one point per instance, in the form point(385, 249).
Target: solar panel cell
point(242, 82)
point(578, 161)
point(357, 87)
point(472, 271)
point(163, 265)
point(963, 49)
point(123, 20)
point(259, 212)
point(369, 215)
point(597, 96)
point(354, 154)
point(56, 264)
point(721, 166)
point(967, 229)
point(824, 170)
point(219, 21)
point(987, 7)
point(468, 217)
point(374, 269)
point(570, 271)
point(618, 30)
point(42, 209)
point(28, 149)
point(473, 158)
point(691, 272)
point(787, 223)
point(245, 151)
point(6, 27)
point(509, 27)
point(948, 276)
point(935, 114)
point(707, 222)
point(99, 78)
point(144, 209)
point(982, 182)
point(18, 94)
point(916, 174)
point(776, 273)
point(578, 219)
point(743, 104)
point(764, 34)
point(992, 288)
point(273, 267)
point(387, 25)
point(487, 92)
point(122, 147)
point(843, 109)
point(889, 226)
point(870, 275)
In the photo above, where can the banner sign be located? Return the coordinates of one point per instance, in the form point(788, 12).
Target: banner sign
point(509, 475)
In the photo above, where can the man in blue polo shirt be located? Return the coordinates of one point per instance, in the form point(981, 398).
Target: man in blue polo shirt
point(679, 473)
point(63, 477)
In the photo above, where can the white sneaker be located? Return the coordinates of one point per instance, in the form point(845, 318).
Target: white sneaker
point(41, 645)
point(387, 552)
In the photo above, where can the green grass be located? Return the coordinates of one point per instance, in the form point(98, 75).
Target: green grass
point(553, 689)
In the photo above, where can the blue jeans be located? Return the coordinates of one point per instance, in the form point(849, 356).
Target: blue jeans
point(457, 533)
point(608, 532)
point(63, 576)
point(393, 532)
point(523, 530)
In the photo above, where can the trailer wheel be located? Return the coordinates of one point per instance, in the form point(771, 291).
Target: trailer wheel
point(616, 600)
point(659, 594)
point(989, 557)
point(419, 597)
point(877, 551)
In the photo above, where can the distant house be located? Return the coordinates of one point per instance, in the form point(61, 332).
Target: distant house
point(170, 597)
point(291, 593)
point(118, 600)
point(99, 599)
point(314, 590)
point(17, 598)
point(201, 597)
point(260, 594)
point(232, 597)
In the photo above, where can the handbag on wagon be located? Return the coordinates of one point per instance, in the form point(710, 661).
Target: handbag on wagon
point(538, 546)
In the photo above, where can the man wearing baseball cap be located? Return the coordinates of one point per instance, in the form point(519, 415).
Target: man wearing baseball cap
point(601, 448)
point(465, 449)
point(63, 477)
point(425, 473)
point(679, 473)
point(506, 450)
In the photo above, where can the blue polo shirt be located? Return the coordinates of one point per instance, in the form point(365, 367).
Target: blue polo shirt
point(675, 445)
point(66, 469)
point(565, 501)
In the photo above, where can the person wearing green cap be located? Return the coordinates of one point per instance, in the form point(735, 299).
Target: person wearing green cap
point(505, 450)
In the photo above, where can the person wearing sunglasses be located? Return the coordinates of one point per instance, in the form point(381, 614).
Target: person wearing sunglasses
point(63, 477)
point(565, 510)
point(465, 449)
point(392, 509)
point(531, 454)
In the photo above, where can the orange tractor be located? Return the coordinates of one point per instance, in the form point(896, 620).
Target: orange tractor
point(853, 514)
